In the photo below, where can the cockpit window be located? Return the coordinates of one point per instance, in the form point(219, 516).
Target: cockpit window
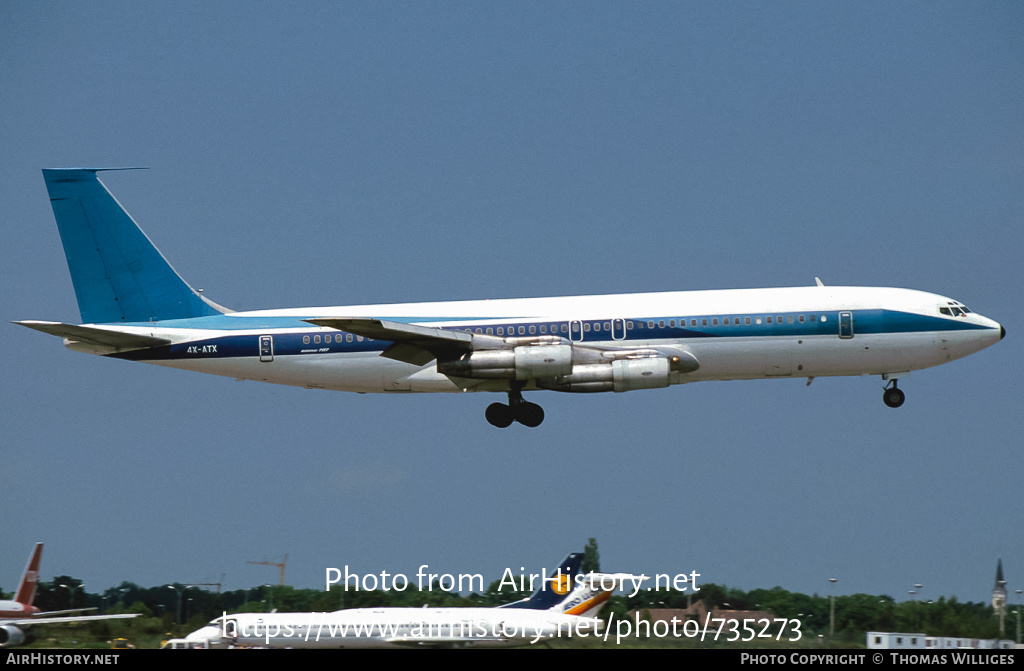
point(954, 309)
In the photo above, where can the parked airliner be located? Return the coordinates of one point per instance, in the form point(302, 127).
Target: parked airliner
point(565, 606)
point(135, 306)
point(19, 615)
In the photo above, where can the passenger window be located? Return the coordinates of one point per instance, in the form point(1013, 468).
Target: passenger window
point(533, 329)
point(305, 340)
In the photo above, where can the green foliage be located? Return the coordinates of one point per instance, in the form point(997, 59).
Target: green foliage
point(591, 557)
point(712, 595)
point(498, 594)
point(615, 607)
point(141, 609)
point(855, 614)
point(63, 593)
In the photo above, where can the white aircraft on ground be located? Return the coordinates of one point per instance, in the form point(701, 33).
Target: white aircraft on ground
point(135, 306)
point(565, 606)
point(17, 616)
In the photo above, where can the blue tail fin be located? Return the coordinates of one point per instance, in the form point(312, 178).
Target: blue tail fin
point(119, 275)
point(555, 588)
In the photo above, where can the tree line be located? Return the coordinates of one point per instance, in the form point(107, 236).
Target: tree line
point(179, 607)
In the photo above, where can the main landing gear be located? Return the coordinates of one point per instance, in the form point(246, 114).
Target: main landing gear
point(893, 396)
point(517, 410)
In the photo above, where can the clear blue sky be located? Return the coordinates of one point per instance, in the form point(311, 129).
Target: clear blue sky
point(345, 153)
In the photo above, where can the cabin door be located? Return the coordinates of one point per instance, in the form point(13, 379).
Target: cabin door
point(266, 348)
point(845, 324)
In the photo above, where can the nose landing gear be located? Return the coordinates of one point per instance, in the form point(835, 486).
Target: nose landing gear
point(517, 410)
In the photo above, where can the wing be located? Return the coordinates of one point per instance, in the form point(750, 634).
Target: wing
point(32, 621)
point(413, 343)
point(554, 362)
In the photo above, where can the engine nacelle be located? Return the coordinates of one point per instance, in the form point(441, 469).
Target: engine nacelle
point(526, 362)
point(11, 636)
point(621, 375)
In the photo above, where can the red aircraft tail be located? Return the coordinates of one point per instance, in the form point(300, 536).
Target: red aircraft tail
point(27, 589)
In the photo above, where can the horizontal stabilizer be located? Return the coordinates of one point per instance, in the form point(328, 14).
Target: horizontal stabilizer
point(118, 341)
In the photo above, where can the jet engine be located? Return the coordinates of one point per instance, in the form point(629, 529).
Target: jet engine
point(525, 362)
point(620, 375)
point(11, 636)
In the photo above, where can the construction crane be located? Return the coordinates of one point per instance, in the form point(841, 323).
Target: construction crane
point(279, 565)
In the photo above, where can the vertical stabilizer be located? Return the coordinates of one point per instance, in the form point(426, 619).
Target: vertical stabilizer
point(27, 589)
point(119, 275)
point(555, 588)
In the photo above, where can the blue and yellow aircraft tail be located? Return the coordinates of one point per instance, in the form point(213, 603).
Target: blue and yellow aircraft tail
point(556, 588)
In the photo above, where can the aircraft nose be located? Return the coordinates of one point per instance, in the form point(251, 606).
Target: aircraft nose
point(1002, 332)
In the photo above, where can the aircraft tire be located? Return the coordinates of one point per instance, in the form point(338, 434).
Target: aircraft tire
point(530, 414)
point(893, 397)
point(499, 415)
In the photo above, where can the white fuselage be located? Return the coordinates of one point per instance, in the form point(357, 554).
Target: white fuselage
point(733, 334)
